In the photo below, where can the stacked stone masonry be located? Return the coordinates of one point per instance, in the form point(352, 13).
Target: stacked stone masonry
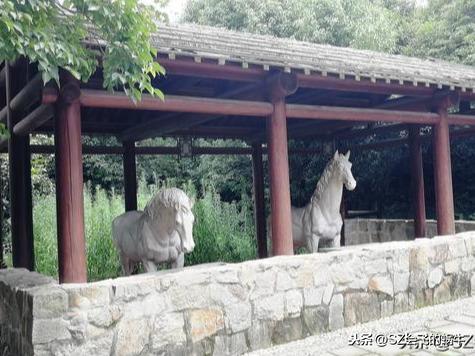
point(221, 309)
point(363, 231)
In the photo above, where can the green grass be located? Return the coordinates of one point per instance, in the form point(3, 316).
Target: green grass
point(223, 231)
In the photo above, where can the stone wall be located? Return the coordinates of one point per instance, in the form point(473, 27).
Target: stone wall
point(223, 309)
point(364, 231)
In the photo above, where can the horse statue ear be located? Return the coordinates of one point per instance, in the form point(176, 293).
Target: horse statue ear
point(335, 156)
point(347, 156)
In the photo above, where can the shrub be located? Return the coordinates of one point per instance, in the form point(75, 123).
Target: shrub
point(223, 231)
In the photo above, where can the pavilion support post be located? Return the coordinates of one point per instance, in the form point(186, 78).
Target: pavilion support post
point(130, 176)
point(259, 206)
point(69, 184)
point(443, 174)
point(280, 86)
point(20, 180)
point(417, 182)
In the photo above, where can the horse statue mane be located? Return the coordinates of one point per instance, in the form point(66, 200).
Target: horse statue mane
point(163, 232)
point(320, 219)
point(171, 198)
point(325, 179)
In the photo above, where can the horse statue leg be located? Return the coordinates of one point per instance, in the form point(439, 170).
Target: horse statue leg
point(179, 262)
point(127, 265)
point(149, 266)
point(312, 243)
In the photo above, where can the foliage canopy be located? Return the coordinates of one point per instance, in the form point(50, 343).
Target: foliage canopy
point(74, 34)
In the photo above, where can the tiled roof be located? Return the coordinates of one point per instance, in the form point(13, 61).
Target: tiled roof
point(225, 46)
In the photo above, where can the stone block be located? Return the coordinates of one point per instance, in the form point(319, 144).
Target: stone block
point(230, 344)
point(361, 307)
point(457, 248)
point(227, 276)
point(205, 322)
point(293, 303)
point(264, 284)
point(48, 302)
point(284, 281)
point(451, 266)
point(327, 294)
point(401, 302)
point(336, 318)
point(48, 330)
point(401, 281)
point(461, 286)
point(151, 305)
point(260, 334)
point(472, 285)
point(315, 320)
point(442, 292)
point(287, 330)
point(105, 317)
point(381, 284)
point(387, 308)
point(376, 266)
point(168, 330)
point(188, 298)
point(270, 308)
point(238, 317)
point(88, 296)
point(313, 296)
point(435, 277)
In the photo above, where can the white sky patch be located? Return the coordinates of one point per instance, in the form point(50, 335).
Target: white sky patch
point(175, 9)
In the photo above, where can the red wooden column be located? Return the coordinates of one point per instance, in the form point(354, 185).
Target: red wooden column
point(259, 207)
point(69, 184)
point(130, 176)
point(417, 182)
point(20, 177)
point(280, 86)
point(443, 173)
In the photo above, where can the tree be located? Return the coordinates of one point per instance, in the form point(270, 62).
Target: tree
point(368, 24)
point(68, 34)
point(445, 29)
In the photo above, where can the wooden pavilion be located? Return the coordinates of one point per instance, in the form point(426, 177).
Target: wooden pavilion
point(223, 84)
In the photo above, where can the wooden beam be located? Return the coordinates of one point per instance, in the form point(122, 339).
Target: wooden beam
point(160, 126)
point(101, 99)
point(69, 184)
point(417, 182)
point(130, 176)
point(259, 203)
point(33, 120)
point(21, 206)
point(173, 150)
point(443, 174)
point(2, 76)
point(317, 112)
point(235, 72)
point(30, 93)
point(281, 221)
point(212, 70)
point(462, 120)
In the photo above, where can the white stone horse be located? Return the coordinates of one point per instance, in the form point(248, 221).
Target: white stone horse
point(163, 232)
point(320, 219)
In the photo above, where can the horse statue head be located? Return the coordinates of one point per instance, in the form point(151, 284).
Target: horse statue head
point(343, 169)
point(169, 212)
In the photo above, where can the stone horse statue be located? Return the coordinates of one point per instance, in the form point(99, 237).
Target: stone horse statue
point(163, 232)
point(320, 219)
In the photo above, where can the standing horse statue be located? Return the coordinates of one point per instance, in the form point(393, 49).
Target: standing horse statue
point(163, 232)
point(320, 219)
